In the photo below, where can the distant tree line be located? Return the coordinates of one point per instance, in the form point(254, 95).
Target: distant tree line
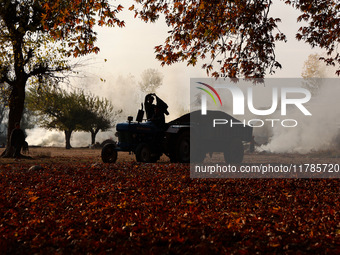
point(70, 111)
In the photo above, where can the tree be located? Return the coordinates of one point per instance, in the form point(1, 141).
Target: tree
point(313, 67)
point(239, 35)
point(151, 80)
point(57, 109)
point(37, 35)
point(323, 30)
point(314, 71)
point(101, 114)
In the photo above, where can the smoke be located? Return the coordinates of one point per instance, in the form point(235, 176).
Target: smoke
point(39, 136)
point(313, 133)
point(52, 138)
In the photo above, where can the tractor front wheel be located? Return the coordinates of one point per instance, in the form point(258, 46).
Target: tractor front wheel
point(109, 153)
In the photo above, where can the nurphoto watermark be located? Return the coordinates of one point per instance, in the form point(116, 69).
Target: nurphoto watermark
point(234, 123)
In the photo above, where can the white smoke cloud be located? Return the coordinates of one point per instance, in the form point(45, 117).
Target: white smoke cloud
point(42, 137)
point(313, 133)
point(53, 138)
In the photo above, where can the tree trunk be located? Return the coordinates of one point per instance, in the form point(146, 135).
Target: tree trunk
point(17, 96)
point(16, 108)
point(68, 139)
point(93, 136)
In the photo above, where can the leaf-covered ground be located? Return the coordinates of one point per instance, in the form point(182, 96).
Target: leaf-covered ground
point(80, 208)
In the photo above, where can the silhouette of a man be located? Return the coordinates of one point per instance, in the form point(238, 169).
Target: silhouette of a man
point(149, 106)
point(158, 117)
point(17, 140)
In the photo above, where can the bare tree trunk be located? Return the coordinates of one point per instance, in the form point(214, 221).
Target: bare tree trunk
point(17, 96)
point(16, 108)
point(93, 136)
point(68, 139)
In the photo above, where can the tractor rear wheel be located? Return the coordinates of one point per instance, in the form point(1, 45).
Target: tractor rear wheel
point(109, 153)
point(234, 152)
point(183, 147)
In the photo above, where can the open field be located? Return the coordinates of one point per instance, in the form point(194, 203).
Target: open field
point(75, 204)
point(59, 155)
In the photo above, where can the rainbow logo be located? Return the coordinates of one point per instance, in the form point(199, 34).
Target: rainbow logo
point(209, 93)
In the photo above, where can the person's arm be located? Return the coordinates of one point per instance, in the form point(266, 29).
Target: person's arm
point(22, 136)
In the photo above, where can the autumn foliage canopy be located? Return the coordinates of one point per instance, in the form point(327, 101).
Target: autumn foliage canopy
point(75, 22)
point(239, 35)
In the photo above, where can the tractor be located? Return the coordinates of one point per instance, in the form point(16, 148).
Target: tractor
point(149, 139)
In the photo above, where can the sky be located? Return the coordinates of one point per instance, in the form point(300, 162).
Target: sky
point(126, 52)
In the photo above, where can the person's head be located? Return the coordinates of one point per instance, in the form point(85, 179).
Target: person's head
point(17, 125)
point(150, 99)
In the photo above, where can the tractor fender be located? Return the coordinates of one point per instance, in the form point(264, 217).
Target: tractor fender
point(174, 129)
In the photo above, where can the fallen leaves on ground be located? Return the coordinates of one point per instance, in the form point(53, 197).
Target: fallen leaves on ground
point(158, 209)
